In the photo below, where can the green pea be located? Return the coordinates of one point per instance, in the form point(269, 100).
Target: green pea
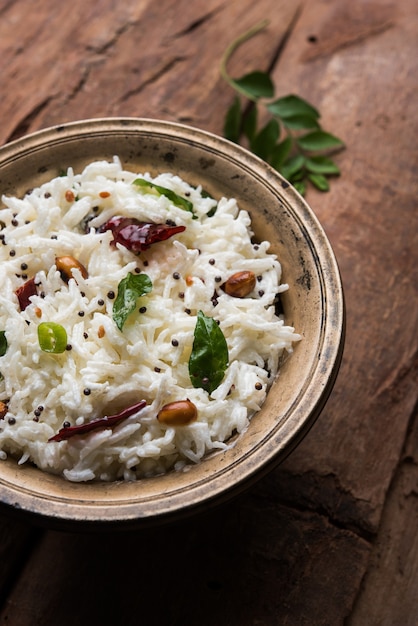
point(52, 337)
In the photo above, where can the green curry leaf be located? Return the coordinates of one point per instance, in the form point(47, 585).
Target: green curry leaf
point(209, 357)
point(281, 152)
point(249, 125)
point(178, 201)
point(289, 106)
point(264, 142)
point(232, 123)
point(322, 165)
point(319, 140)
point(292, 166)
point(130, 288)
point(320, 181)
point(255, 85)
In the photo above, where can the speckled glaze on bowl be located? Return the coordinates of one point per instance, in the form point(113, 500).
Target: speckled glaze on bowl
point(314, 305)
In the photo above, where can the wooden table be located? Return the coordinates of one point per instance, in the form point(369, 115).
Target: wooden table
point(330, 537)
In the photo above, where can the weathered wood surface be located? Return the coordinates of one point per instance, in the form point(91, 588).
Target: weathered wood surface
point(330, 537)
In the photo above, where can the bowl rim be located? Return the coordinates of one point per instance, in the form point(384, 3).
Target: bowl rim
point(265, 455)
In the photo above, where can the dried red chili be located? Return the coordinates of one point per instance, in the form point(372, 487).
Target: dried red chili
point(24, 292)
point(101, 423)
point(137, 236)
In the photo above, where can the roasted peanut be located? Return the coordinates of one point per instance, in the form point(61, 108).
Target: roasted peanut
point(179, 413)
point(66, 265)
point(3, 410)
point(240, 284)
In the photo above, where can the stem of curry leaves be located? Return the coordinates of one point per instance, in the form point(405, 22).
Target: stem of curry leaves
point(292, 140)
point(236, 43)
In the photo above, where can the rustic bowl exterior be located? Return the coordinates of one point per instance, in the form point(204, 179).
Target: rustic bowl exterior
point(314, 305)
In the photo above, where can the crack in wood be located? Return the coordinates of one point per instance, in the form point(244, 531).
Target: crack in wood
point(325, 496)
point(6, 6)
point(279, 50)
point(112, 41)
point(100, 51)
point(201, 21)
point(284, 39)
point(409, 454)
point(398, 380)
point(396, 536)
point(152, 79)
point(80, 84)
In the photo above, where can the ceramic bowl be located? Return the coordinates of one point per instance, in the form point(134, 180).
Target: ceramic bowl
point(314, 305)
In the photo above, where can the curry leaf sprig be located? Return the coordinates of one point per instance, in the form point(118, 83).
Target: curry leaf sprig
point(292, 140)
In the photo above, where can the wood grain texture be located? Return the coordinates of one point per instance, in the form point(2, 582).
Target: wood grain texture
point(330, 536)
point(16, 542)
point(146, 59)
point(371, 219)
point(244, 564)
point(389, 589)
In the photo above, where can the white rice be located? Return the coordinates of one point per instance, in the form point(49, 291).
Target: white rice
point(119, 368)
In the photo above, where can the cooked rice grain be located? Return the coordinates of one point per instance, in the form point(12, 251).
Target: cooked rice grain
point(104, 369)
